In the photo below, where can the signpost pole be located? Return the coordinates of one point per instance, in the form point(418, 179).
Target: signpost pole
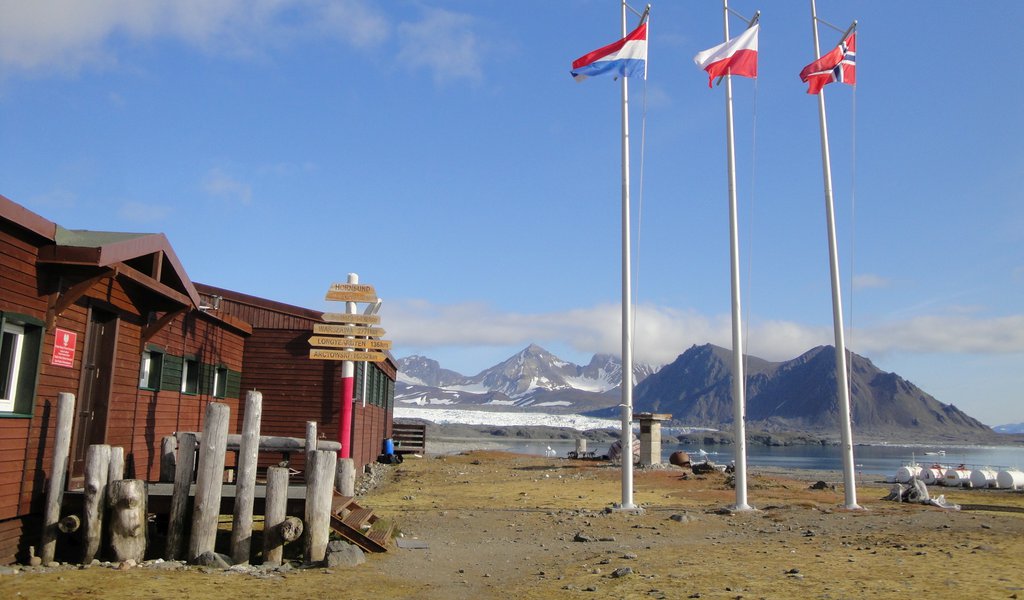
point(347, 385)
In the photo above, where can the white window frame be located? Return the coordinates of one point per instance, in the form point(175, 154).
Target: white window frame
point(9, 395)
point(185, 372)
point(147, 364)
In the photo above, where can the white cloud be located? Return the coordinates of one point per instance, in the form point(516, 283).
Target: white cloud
point(661, 334)
point(220, 184)
point(138, 212)
point(869, 280)
point(71, 34)
point(444, 43)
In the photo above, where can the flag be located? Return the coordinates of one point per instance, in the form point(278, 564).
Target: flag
point(626, 57)
point(738, 56)
point(840, 64)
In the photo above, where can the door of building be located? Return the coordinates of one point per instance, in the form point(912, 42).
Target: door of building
point(94, 389)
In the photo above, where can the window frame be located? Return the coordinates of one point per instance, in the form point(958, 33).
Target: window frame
point(190, 375)
point(153, 371)
point(11, 379)
point(26, 366)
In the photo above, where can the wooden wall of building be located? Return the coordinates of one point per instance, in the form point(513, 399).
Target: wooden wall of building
point(137, 419)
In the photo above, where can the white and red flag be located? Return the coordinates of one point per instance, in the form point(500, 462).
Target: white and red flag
point(840, 64)
point(737, 56)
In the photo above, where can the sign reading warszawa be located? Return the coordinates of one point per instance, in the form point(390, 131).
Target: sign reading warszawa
point(346, 336)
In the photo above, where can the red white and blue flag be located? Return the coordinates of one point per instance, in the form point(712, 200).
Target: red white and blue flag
point(626, 57)
point(737, 56)
point(840, 64)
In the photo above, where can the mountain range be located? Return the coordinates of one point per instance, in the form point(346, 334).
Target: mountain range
point(532, 379)
point(793, 395)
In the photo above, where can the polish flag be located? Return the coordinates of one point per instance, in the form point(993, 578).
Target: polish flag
point(738, 56)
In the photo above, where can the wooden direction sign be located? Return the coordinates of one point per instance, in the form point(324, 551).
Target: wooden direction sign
point(343, 342)
point(329, 354)
point(354, 319)
point(330, 329)
point(352, 292)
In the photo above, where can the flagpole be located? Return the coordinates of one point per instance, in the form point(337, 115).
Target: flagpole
point(842, 382)
point(738, 379)
point(627, 321)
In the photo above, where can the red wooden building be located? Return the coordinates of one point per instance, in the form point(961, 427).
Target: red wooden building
point(114, 319)
point(297, 388)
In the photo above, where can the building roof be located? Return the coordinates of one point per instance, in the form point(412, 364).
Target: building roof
point(145, 258)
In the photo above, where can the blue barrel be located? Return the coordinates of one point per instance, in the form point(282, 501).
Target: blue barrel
point(389, 446)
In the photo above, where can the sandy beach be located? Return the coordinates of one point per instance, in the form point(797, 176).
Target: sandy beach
point(495, 525)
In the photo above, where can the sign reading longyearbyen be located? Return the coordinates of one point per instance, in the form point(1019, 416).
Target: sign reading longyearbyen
point(346, 342)
point(327, 354)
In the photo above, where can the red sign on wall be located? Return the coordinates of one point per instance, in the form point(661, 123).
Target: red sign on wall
point(64, 348)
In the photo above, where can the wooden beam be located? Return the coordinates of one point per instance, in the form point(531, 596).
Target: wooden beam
point(60, 302)
point(150, 330)
point(160, 288)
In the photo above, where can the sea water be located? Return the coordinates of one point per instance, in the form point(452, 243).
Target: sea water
point(882, 459)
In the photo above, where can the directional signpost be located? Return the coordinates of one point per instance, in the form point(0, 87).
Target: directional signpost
point(348, 337)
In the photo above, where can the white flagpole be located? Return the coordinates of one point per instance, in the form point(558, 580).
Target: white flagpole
point(627, 321)
point(738, 379)
point(842, 383)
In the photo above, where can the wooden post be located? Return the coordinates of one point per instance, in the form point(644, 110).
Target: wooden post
point(127, 501)
point(274, 514)
point(116, 464)
point(58, 473)
point(180, 496)
point(97, 467)
point(346, 477)
point(310, 436)
point(167, 463)
point(206, 506)
point(245, 491)
point(319, 492)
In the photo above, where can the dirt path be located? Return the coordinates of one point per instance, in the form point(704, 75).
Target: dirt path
point(512, 526)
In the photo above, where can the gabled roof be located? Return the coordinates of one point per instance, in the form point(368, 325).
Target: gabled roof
point(146, 258)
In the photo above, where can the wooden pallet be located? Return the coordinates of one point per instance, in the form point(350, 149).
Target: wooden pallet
point(355, 523)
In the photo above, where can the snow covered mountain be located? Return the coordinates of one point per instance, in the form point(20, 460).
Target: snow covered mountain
point(531, 379)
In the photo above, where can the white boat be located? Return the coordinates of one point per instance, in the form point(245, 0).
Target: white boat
point(935, 453)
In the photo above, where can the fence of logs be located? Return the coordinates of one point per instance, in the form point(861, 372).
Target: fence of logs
point(119, 506)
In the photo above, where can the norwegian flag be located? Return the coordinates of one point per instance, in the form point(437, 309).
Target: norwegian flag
point(838, 65)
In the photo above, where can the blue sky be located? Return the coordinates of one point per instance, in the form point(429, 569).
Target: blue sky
point(442, 151)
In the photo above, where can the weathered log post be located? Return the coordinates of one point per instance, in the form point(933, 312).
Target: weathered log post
point(126, 499)
point(245, 491)
point(206, 506)
point(310, 436)
point(55, 489)
point(180, 495)
point(69, 524)
point(274, 514)
point(168, 446)
point(97, 467)
point(116, 472)
point(346, 477)
point(319, 492)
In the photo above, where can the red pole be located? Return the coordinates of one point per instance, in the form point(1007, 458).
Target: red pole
point(348, 369)
point(345, 414)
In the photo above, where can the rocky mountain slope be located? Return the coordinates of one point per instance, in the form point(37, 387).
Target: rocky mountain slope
point(532, 379)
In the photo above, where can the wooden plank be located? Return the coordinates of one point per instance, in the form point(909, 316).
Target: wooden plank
point(353, 319)
point(351, 292)
point(329, 329)
point(344, 342)
point(325, 354)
